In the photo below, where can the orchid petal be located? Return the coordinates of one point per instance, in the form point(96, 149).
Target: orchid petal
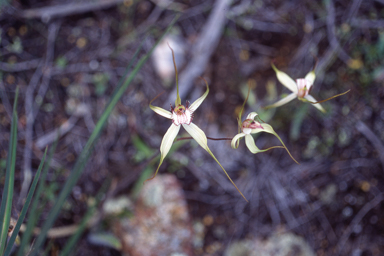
point(316, 105)
point(283, 101)
point(335, 96)
point(166, 144)
point(242, 108)
point(252, 115)
point(310, 77)
point(240, 116)
point(234, 142)
point(200, 100)
point(286, 80)
point(250, 143)
point(201, 139)
point(161, 111)
point(267, 128)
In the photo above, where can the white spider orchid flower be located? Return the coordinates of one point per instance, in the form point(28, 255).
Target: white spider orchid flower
point(300, 89)
point(251, 126)
point(182, 116)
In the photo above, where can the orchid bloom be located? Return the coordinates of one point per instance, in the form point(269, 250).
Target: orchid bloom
point(300, 89)
point(182, 116)
point(251, 126)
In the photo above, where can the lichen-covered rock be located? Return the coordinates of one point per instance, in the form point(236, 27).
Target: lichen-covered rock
point(161, 224)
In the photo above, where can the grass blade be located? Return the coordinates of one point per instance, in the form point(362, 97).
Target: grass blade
point(25, 207)
point(33, 213)
point(82, 160)
point(6, 201)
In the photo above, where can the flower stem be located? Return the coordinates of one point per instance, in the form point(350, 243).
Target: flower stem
point(189, 138)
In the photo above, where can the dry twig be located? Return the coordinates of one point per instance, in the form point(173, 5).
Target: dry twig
point(32, 109)
point(50, 12)
point(376, 142)
point(357, 219)
point(20, 66)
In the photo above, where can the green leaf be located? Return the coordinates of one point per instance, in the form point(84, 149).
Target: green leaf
point(297, 121)
point(143, 151)
point(6, 201)
point(83, 158)
point(105, 239)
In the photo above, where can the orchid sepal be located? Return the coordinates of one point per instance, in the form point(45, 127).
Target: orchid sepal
point(321, 101)
point(161, 112)
point(267, 128)
point(285, 79)
point(178, 100)
point(239, 118)
point(310, 99)
point(166, 145)
point(201, 139)
point(235, 141)
point(158, 110)
point(311, 76)
point(250, 143)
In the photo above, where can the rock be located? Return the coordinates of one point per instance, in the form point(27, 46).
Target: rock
point(287, 244)
point(161, 224)
point(162, 56)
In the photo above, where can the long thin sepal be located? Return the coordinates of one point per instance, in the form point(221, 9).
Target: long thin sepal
point(201, 139)
point(178, 100)
point(250, 143)
point(321, 101)
point(239, 118)
point(269, 129)
point(310, 99)
point(166, 145)
point(242, 107)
